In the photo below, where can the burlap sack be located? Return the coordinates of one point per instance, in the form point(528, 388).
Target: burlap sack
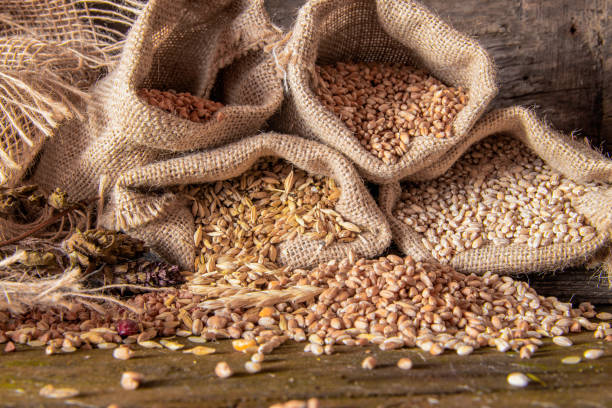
point(572, 158)
point(166, 224)
point(185, 45)
point(51, 51)
point(398, 31)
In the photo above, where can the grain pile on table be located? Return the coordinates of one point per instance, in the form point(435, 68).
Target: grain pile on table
point(242, 220)
point(498, 194)
point(182, 104)
point(391, 301)
point(388, 105)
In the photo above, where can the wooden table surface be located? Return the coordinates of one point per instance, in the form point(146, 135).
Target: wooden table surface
point(175, 379)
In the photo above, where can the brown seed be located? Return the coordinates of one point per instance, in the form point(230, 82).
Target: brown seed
point(368, 363)
point(223, 370)
point(404, 363)
point(123, 353)
point(131, 380)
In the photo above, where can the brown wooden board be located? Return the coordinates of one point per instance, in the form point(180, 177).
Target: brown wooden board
point(175, 379)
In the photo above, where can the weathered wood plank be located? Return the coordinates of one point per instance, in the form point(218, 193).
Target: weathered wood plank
point(552, 54)
point(175, 379)
point(577, 286)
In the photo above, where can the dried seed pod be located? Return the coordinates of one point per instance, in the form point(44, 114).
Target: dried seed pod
point(102, 246)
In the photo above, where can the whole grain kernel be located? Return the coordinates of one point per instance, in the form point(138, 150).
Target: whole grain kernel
point(404, 363)
point(562, 341)
point(517, 379)
point(258, 358)
point(571, 360)
point(252, 367)
point(49, 391)
point(593, 354)
point(223, 370)
point(131, 380)
point(123, 353)
point(368, 363)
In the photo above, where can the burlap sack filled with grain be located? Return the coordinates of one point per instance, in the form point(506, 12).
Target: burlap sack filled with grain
point(143, 205)
point(386, 31)
point(202, 47)
point(51, 52)
point(526, 199)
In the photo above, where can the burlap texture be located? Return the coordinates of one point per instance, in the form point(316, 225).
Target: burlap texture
point(572, 158)
point(51, 51)
point(397, 31)
point(202, 47)
point(140, 204)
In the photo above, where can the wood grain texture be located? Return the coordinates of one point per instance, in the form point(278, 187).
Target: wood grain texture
point(554, 55)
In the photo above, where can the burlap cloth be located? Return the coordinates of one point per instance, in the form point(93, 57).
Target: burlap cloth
point(185, 45)
point(51, 52)
point(572, 158)
point(400, 31)
point(141, 205)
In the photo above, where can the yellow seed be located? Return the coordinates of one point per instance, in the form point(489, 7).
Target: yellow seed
point(150, 344)
point(200, 350)
point(243, 344)
point(172, 345)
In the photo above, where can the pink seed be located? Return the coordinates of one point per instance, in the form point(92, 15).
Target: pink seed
point(127, 327)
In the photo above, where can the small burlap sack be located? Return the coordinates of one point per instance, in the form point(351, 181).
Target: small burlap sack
point(184, 45)
point(393, 31)
point(572, 158)
point(167, 225)
point(51, 52)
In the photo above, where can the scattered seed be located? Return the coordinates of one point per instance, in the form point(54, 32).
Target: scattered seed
point(562, 341)
point(223, 370)
point(49, 391)
point(368, 363)
point(571, 360)
point(257, 358)
point(593, 354)
point(517, 379)
point(131, 380)
point(404, 363)
point(10, 346)
point(252, 367)
point(123, 353)
point(200, 350)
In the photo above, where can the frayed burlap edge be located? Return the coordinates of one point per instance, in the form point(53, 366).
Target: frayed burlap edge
point(572, 158)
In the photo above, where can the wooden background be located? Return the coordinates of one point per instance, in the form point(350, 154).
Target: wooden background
point(554, 55)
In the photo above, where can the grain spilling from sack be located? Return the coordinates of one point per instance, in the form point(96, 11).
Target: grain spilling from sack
point(391, 301)
point(241, 221)
point(388, 105)
point(498, 193)
point(182, 104)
